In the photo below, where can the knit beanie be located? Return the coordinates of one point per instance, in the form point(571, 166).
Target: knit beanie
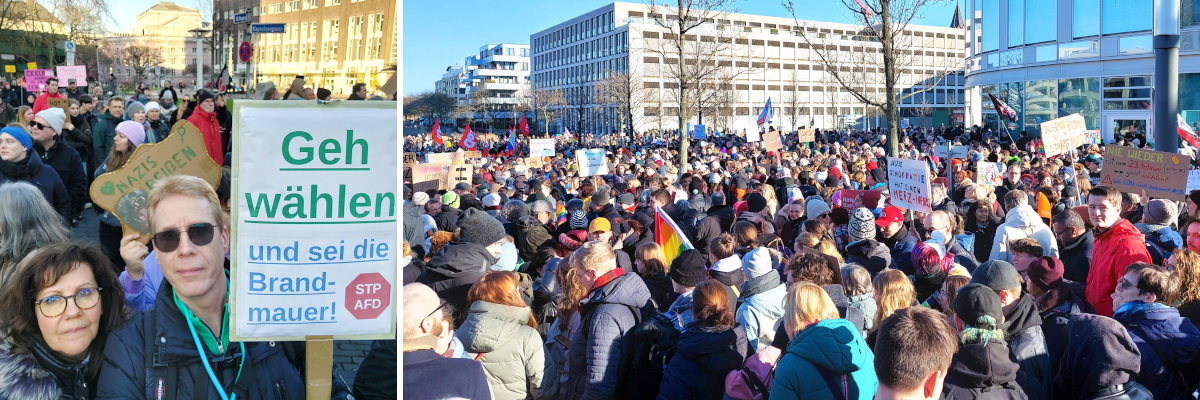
point(688, 269)
point(480, 228)
point(757, 263)
point(420, 198)
point(1159, 212)
point(134, 131)
point(862, 225)
point(204, 95)
point(578, 220)
point(601, 197)
point(1046, 272)
point(133, 108)
point(55, 117)
point(450, 199)
point(815, 208)
point(153, 105)
point(20, 134)
point(755, 202)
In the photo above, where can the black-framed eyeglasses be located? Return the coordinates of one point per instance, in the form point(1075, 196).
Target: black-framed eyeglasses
point(200, 234)
point(53, 306)
point(37, 125)
point(439, 307)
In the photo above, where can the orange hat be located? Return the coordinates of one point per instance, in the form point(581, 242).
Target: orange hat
point(600, 225)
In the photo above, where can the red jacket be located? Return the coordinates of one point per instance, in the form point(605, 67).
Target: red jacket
point(1115, 249)
point(211, 129)
point(43, 101)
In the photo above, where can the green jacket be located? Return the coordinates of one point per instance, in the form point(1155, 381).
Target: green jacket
point(513, 357)
point(103, 132)
point(832, 351)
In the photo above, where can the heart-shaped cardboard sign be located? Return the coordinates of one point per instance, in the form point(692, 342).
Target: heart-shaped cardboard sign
point(126, 191)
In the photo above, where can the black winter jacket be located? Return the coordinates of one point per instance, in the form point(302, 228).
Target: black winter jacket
point(1027, 346)
point(1077, 257)
point(453, 270)
point(69, 166)
point(982, 371)
point(702, 359)
point(43, 176)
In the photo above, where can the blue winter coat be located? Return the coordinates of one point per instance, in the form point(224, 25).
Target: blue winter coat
point(126, 376)
point(33, 171)
point(595, 355)
point(1170, 347)
point(828, 351)
point(703, 357)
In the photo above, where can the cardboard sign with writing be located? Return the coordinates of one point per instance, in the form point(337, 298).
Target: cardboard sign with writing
point(461, 173)
point(64, 104)
point(126, 191)
point(534, 162)
point(1060, 135)
point(807, 135)
point(473, 154)
point(1162, 175)
point(989, 173)
point(591, 162)
point(432, 172)
point(410, 159)
point(426, 186)
point(1193, 180)
point(908, 184)
point(772, 141)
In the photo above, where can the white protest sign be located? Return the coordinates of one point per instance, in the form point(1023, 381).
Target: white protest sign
point(541, 147)
point(950, 151)
point(315, 206)
point(1060, 135)
point(67, 73)
point(989, 173)
point(908, 184)
point(753, 136)
point(1193, 180)
point(591, 162)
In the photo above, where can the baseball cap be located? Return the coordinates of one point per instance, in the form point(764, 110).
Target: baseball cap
point(891, 214)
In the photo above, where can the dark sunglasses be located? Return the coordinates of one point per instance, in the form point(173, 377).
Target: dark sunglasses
point(200, 235)
point(38, 125)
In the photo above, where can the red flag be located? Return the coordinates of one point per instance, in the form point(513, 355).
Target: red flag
point(1003, 109)
point(437, 132)
point(1186, 132)
point(467, 141)
point(524, 126)
point(866, 10)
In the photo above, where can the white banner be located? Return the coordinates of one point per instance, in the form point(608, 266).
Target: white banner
point(541, 147)
point(591, 162)
point(989, 173)
point(1060, 135)
point(753, 135)
point(315, 208)
point(908, 184)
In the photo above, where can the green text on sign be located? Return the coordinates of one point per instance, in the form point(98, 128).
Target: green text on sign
point(297, 150)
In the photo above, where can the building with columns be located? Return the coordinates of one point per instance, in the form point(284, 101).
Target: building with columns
point(163, 47)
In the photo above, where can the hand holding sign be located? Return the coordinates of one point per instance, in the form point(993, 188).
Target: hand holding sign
point(126, 191)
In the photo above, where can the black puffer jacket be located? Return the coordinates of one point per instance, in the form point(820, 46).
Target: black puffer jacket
point(982, 371)
point(453, 270)
point(869, 254)
point(1027, 345)
point(1101, 362)
point(703, 357)
point(66, 162)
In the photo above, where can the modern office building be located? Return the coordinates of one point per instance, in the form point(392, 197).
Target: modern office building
point(332, 43)
point(1053, 58)
point(170, 51)
point(759, 57)
point(500, 71)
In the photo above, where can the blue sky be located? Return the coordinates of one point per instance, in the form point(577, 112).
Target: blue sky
point(438, 34)
point(126, 11)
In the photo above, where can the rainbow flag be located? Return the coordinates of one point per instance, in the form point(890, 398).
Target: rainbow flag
point(561, 212)
point(669, 236)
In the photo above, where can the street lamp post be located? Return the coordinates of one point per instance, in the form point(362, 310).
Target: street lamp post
point(198, 34)
point(1166, 75)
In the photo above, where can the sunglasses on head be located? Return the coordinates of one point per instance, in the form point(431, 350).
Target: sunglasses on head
point(200, 235)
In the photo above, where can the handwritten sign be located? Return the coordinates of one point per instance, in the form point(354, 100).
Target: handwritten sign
point(68, 73)
point(534, 162)
point(591, 162)
point(1193, 182)
point(35, 79)
point(1094, 137)
point(64, 104)
point(1162, 175)
point(426, 186)
point(908, 184)
point(126, 191)
point(807, 135)
point(772, 141)
point(1060, 135)
point(541, 147)
point(989, 173)
point(432, 172)
point(410, 159)
point(461, 173)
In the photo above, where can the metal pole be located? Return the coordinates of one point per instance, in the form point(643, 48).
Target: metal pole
point(1166, 75)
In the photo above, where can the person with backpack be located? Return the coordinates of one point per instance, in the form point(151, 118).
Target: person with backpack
point(761, 301)
point(981, 369)
point(827, 357)
point(600, 353)
point(708, 349)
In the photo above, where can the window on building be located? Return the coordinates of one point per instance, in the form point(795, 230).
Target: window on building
point(1121, 16)
point(1085, 18)
point(1016, 22)
point(991, 25)
point(1041, 21)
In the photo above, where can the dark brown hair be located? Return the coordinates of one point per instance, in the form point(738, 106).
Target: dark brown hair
point(810, 267)
point(722, 246)
point(42, 269)
point(710, 304)
point(912, 343)
point(1153, 279)
point(1028, 246)
point(746, 234)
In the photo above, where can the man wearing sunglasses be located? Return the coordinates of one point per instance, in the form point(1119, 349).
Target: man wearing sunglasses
point(44, 130)
point(427, 331)
point(1164, 337)
point(189, 322)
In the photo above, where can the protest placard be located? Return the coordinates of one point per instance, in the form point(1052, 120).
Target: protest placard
point(454, 157)
point(35, 79)
point(315, 203)
point(989, 173)
point(64, 104)
point(699, 132)
point(534, 162)
point(942, 151)
point(439, 172)
point(1193, 182)
point(772, 141)
point(541, 147)
point(908, 184)
point(591, 162)
point(807, 135)
point(426, 186)
point(126, 192)
point(753, 136)
point(1162, 175)
point(68, 73)
point(1094, 137)
point(461, 173)
point(410, 159)
point(1060, 135)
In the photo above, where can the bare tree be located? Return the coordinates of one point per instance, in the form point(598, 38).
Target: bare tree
point(715, 98)
point(859, 70)
point(544, 103)
point(623, 92)
point(687, 58)
point(141, 58)
point(793, 99)
point(84, 20)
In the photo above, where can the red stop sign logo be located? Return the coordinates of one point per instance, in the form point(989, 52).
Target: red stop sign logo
point(368, 295)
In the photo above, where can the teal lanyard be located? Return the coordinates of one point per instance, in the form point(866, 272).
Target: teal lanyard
point(208, 368)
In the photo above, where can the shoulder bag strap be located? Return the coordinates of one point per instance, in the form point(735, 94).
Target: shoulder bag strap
point(165, 378)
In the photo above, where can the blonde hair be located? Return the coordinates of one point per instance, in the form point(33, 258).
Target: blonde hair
point(187, 186)
point(1187, 276)
point(806, 304)
point(893, 291)
point(655, 263)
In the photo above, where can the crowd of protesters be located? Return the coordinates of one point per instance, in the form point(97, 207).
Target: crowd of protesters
point(802, 279)
point(122, 319)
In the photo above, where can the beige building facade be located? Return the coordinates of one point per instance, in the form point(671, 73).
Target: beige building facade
point(164, 30)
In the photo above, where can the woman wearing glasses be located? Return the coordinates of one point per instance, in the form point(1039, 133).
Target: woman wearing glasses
point(57, 313)
point(129, 135)
point(16, 146)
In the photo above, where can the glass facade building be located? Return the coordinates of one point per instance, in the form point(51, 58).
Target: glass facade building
point(1052, 58)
